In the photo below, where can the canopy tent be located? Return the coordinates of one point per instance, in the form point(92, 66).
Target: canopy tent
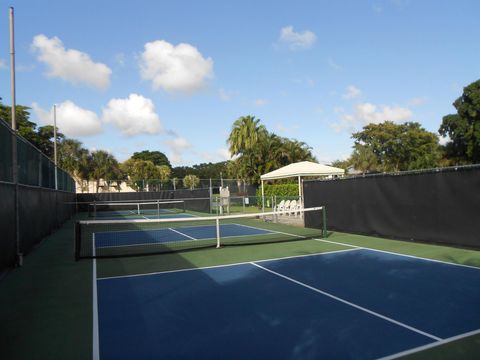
point(299, 170)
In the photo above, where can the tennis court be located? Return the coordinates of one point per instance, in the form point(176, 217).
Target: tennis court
point(270, 291)
point(353, 303)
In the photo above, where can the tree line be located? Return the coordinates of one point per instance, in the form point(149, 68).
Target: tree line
point(383, 147)
point(390, 147)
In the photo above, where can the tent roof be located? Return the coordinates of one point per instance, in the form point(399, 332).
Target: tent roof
point(303, 168)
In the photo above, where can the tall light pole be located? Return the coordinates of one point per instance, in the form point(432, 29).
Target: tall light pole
point(14, 140)
point(55, 144)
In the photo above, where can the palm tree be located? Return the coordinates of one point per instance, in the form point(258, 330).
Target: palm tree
point(245, 135)
point(190, 181)
point(163, 172)
point(75, 159)
point(103, 166)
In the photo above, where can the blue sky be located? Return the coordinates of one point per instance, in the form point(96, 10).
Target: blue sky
point(173, 76)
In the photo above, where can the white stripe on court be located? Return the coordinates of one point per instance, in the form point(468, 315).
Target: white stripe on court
point(95, 342)
point(431, 345)
point(225, 265)
point(178, 232)
point(399, 254)
point(349, 303)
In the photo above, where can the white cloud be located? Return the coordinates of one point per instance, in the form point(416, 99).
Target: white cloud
point(333, 64)
point(180, 68)
point(120, 59)
point(224, 154)
point(69, 64)
point(133, 115)
point(178, 146)
point(444, 140)
point(287, 129)
point(417, 101)
point(226, 95)
point(297, 40)
point(367, 113)
point(2, 64)
point(72, 120)
point(352, 92)
point(261, 102)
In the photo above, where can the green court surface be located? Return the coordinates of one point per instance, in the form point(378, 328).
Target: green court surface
point(46, 305)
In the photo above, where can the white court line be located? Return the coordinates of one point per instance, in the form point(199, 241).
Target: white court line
point(399, 254)
point(411, 328)
point(224, 265)
point(95, 342)
point(178, 232)
point(430, 346)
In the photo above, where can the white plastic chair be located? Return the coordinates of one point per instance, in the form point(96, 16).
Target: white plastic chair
point(279, 207)
point(286, 207)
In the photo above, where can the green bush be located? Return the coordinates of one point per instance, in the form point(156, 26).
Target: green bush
point(280, 191)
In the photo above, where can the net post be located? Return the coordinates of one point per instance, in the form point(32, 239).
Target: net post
point(77, 240)
point(217, 224)
point(158, 207)
point(324, 228)
point(138, 208)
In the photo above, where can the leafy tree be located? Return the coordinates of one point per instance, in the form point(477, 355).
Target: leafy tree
point(75, 159)
point(203, 170)
point(363, 159)
point(463, 128)
point(190, 181)
point(139, 173)
point(260, 151)
point(41, 137)
point(342, 164)
point(156, 157)
point(103, 166)
point(162, 174)
point(400, 147)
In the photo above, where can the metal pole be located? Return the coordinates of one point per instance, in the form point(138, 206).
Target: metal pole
point(14, 140)
point(12, 69)
point(210, 194)
point(263, 198)
point(55, 144)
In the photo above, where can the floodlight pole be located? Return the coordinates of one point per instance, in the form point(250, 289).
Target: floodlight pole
point(14, 139)
point(12, 70)
point(55, 144)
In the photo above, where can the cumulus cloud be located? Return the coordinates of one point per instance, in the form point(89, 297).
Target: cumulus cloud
point(224, 154)
point(286, 129)
point(333, 64)
point(444, 140)
point(417, 101)
point(133, 115)
point(178, 146)
point(297, 40)
point(352, 93)
point(226, 95)
point(70, 64)
point(367, 113)
point(180, 68)
point(261, 102)
point(72, 120)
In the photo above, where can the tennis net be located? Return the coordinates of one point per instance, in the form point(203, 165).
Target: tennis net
point(116, 238)
point(129, 209)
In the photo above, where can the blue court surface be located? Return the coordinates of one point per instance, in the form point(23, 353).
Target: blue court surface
point(166, 235)
point(137, 217)
point(352, 304)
